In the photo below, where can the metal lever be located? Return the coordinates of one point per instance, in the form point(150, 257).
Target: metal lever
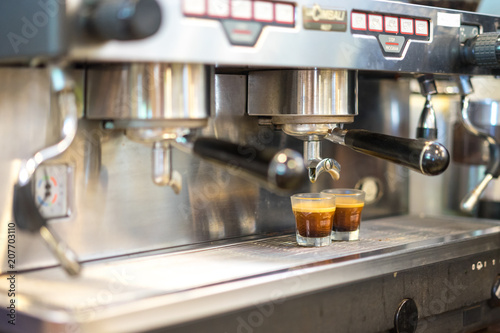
point(470, 201)
point(26, 213)
point(468, 204)
point(64, 254)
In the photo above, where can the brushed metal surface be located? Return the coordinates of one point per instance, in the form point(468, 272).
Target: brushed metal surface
point(151, 91)
point(303, 93)
point(110, 295)
point(117, 210)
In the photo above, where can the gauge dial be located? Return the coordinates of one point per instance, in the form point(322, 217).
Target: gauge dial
point(51, 190)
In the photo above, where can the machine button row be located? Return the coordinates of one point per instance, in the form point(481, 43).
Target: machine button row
point(246, 10)
point(389, 24)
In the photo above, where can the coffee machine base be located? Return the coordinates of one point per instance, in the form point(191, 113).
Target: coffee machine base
point(434, 274)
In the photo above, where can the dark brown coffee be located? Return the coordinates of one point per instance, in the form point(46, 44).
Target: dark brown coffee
point(314, 224)
point(347, 217)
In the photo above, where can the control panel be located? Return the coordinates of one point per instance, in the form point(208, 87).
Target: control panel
point(242, 20)
point(392, 31)
point(372, 35)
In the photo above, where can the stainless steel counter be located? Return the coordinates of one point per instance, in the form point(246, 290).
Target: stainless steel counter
point(129, 294)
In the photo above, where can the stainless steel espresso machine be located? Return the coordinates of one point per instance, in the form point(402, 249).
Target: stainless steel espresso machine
point(149, 149)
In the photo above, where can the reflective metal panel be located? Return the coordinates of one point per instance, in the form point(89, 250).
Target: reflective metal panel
point(117, 210)
point(306, 93)
point(152, 91)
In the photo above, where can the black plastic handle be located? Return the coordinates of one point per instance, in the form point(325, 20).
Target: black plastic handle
point(26, 213)
point(283, 169)
point(426, 157)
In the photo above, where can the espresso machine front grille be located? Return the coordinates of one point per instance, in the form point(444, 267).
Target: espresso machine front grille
point(150, 148)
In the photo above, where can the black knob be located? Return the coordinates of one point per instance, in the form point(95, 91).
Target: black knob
point(483, 50)
point(406, 317)
point(26, 213)
point(495, 293)
point(125, 19)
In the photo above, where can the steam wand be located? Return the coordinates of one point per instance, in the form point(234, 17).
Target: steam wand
point(26, 213)
point(468, 204)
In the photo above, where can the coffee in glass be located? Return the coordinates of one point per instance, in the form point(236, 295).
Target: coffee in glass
point(347, 218)
point(314, 217)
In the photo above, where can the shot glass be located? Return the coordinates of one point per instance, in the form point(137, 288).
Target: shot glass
point(313, 216)
point(347, 218)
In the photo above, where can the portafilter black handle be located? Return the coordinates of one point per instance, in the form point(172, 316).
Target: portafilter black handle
point(427, 157)
point(283, 169)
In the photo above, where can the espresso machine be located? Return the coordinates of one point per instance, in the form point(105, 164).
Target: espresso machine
point(150, 148)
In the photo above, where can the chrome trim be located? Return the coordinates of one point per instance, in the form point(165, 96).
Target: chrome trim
point(422, 155)
point(62, 86)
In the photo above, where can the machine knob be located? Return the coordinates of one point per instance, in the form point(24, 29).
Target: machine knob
point(495, 293)
point(483, 50)
point(406, 317)
point(125, 19)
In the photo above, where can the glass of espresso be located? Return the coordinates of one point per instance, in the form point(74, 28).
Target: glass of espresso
point(313, 216)
point(349, 203)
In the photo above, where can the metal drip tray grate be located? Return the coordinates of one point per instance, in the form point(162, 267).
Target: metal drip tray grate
point(167, 280)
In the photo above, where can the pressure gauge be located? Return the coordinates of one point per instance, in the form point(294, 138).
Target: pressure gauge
point(51, 190)
point(372, 187)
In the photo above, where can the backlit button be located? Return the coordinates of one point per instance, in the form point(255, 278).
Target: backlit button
point(358, 21)
point(263, 11)
point(391, 43)
point(421, 28)
point(244, 33)
point(218, 8)
point(406, 26)
point(241, 9)
point(391, 24)
point(284, 13)
point(194, 7)
point(375, 23)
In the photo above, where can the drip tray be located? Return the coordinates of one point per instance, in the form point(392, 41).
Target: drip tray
point(167, 289)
